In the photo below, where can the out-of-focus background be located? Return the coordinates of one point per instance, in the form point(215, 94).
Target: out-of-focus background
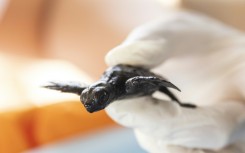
point(45, 40)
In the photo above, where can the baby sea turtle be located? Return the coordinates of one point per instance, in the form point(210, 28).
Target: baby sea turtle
point(118, 82)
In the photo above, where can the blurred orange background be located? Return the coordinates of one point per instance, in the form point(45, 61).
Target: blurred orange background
point(35, 33)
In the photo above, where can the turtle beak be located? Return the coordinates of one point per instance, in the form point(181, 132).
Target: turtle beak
point(91, 109)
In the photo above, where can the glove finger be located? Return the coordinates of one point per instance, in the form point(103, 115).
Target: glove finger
point(192, 128)
point(217, 126)
point(141, 112)
point(211, 127)
point(141, 53)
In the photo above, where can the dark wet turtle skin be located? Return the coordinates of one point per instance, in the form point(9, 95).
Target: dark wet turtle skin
point(118, 82)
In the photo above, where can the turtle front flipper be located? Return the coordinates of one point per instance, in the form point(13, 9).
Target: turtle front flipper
point(150, 84)
point(69, 87)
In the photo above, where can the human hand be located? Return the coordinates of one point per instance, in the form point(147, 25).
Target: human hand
point(205, 59)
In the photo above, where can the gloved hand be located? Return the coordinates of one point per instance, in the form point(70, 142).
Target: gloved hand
point(206, 60)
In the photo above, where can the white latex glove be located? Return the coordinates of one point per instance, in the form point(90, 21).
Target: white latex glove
point(206, 60)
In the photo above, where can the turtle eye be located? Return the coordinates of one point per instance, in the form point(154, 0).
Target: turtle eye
point(102, 96)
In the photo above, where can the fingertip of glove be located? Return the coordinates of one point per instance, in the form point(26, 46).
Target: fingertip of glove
point(125, 54)
point(146, 53)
